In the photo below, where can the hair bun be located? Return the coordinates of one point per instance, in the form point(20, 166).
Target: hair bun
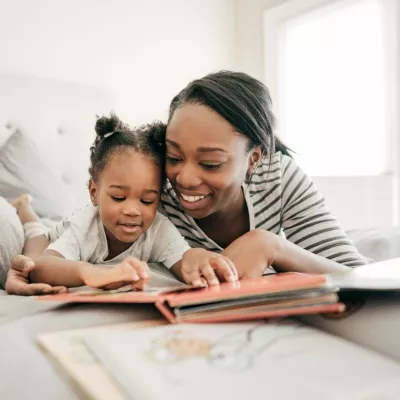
point(106, 125)
point(158, 131)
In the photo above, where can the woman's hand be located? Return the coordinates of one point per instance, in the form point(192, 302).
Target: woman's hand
point(200, 267)
point(131, 271)
point(254, 252)
point(18, 279)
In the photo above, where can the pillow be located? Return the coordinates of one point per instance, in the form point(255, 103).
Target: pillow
point(377, 244)
point(23, 171)
point(11, 238)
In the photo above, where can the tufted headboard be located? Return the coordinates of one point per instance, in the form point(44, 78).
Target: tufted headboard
point(60, 117)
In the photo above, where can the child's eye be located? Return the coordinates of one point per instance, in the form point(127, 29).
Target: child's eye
point(173, 160)
point(212, 167)
point(147, 202)
point(119, 199)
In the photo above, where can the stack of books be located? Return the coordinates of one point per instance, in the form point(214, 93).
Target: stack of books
point(278, 295)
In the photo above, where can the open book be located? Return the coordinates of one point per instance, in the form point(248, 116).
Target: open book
point(258, 298)
point(284, 294)
point(278, 359)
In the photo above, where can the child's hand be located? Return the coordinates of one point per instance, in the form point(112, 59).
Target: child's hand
point(200, 267)
point(131, 271)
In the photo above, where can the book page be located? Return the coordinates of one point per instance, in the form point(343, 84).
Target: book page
point(280, 359)
point(82, 368)
point(383, 275)
point(162, 280)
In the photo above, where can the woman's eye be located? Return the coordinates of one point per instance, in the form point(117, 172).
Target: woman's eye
point(119, 199)
point(173, 160)
point(212, 167)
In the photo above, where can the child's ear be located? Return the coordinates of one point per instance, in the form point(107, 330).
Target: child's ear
point(93, 192)
point(254, 159)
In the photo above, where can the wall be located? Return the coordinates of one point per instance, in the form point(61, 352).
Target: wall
point(143, 52)
point(248, 49)
point(357, 203)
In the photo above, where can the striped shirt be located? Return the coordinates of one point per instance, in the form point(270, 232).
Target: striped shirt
point(281, 199)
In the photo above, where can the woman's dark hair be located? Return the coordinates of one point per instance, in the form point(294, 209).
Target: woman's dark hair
point(113, 136)
point(240, 99)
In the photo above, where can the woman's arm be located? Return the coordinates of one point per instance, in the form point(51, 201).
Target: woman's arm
point(308, 223)
point(255, 251)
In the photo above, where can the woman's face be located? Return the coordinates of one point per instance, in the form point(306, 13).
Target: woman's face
point(206, 161)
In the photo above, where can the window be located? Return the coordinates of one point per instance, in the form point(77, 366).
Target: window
point(332, 88)
point(332, 69)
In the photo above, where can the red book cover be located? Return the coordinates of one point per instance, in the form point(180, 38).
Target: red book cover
point(258, 298)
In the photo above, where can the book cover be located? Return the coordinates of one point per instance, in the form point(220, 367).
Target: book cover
point(269, 296)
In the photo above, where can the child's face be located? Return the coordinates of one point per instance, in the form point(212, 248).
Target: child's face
point(127, 194)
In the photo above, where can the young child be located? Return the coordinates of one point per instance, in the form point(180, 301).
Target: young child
point(108, 243)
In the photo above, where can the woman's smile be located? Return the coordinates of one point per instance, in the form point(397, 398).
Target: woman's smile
point(195, 202)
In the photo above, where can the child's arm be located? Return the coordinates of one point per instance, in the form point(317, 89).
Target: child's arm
point(52, 268)
point(34, 247)
point(253, 252)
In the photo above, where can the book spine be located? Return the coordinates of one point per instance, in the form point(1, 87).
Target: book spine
point(165, 310)
point(325, 309)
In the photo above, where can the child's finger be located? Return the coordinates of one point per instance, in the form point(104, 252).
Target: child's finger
point(140, 284)
point(122, 273)
point(208, 273)
point(141, 268)
point(224, 268)
point(128, 273)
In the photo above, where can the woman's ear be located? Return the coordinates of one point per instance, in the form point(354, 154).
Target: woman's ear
point(255, 158)
point(93, 192)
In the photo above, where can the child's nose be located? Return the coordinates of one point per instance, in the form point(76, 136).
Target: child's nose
point(132, 208)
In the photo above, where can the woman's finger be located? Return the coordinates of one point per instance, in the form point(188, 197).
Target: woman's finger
point(193, 277)
point(233, 268)
point(59, 289)
point(21, 288)
point(208, 273)
point(22, 263)
point(223, 268)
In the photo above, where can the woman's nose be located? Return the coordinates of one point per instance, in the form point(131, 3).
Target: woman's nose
point(187, 177)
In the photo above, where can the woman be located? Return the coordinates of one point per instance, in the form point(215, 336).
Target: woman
point(232, 182)
point(228, 174)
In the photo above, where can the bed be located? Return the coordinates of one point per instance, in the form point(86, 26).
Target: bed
point(46, 128)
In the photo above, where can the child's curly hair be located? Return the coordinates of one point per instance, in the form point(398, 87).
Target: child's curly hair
point(113, 136)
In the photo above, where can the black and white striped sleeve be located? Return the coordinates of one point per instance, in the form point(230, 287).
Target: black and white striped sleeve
point(307, 222)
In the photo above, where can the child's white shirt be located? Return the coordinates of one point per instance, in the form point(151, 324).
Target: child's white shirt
point(82, 237)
